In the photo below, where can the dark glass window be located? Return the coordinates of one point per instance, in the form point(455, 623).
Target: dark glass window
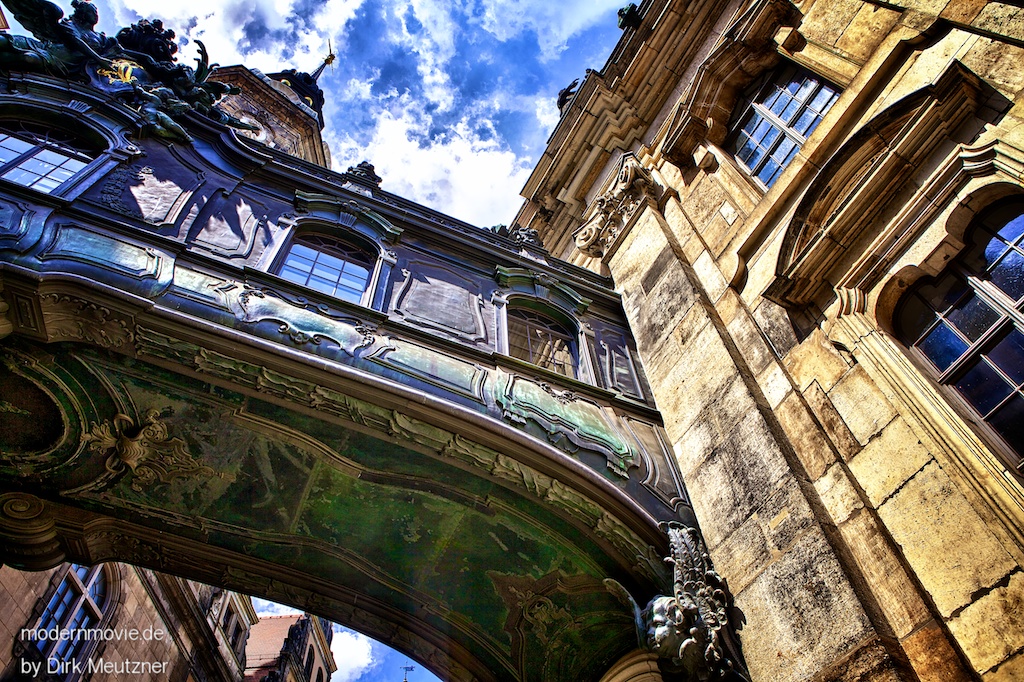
point(328, 265)
point(77, 605)
point(540, 340)
point(776, 117)
point(967, 323)
point(42, 160)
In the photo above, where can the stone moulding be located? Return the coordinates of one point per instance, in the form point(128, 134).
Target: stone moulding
point(747, 49)
point(843, 202)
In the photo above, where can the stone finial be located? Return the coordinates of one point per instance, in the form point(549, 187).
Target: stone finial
point(364, 170)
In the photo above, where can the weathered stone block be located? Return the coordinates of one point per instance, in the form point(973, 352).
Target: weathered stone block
point(840, 435)
point(710, 276)
point(864, 408)
point(749, 341)
point(884, 464)
point(816, 359)
point(838, 495)
point(702, 372)
point(992, 628)
point(775, 385)
point(774, 322)
point(1010, 671)
point(736, 479)
point(807, 439)
point(742, 555)
point(932, 656)
point(802, 614)
point(894, 592)
point(947, 544)
point(867, 28)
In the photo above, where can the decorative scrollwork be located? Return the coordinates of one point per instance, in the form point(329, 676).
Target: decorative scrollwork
point(146, 449)
point(692, 631)
point(633, 188)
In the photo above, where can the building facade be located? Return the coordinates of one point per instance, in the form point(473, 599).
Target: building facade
point(812, 211)
point(293, 648)
point(114, 621)
point(770, 253)
point(225, 361)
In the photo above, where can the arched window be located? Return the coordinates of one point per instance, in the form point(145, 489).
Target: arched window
point(328, 265)
point(776, 116)
point(968, 325)
point(77, 605)
point(41, 158)
point(308, 668)
point(320, 675)
point(540, 340)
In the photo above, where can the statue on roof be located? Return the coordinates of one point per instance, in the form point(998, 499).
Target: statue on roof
point(139, 66)
point(566, 94)
point(61, 46)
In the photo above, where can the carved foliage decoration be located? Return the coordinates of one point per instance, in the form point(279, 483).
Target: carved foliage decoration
point(568, 421)
point(693, 631)
point(146, 449)
point(68, 318)
point(842, 205)
point(747, 49)
point(632, 189)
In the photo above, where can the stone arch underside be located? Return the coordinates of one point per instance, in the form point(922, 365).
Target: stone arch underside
point(468, 545)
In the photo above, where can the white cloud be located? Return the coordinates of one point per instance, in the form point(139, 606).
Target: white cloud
point(554, 22)
point(269, 608)
point(354, 653)
point(459, 173)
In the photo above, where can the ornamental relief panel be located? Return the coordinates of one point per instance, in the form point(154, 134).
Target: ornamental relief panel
point(633, 189)
point(442, 300)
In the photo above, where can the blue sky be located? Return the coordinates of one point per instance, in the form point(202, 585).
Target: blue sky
point(452, 101)
point(359, 658)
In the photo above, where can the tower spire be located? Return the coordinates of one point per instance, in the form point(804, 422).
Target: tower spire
point(329, 59)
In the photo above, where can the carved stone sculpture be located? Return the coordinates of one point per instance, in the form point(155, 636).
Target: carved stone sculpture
point(693, 630)
point(138, 66)
point(632, 188)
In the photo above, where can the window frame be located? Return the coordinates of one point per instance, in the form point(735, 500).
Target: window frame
point(556, 327)
point(1009, 316)
point(71, 582)
point(753, 106)
point(39, 144)
point(376, 262)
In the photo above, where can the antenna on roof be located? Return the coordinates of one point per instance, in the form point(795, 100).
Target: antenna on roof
point(407, 668)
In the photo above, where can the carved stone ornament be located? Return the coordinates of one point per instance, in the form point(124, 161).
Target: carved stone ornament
point(70, 318)
point(693, 630)
point(632, 189)
point(147, 449)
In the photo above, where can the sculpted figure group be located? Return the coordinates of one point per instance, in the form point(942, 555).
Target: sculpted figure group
point(138, 65)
